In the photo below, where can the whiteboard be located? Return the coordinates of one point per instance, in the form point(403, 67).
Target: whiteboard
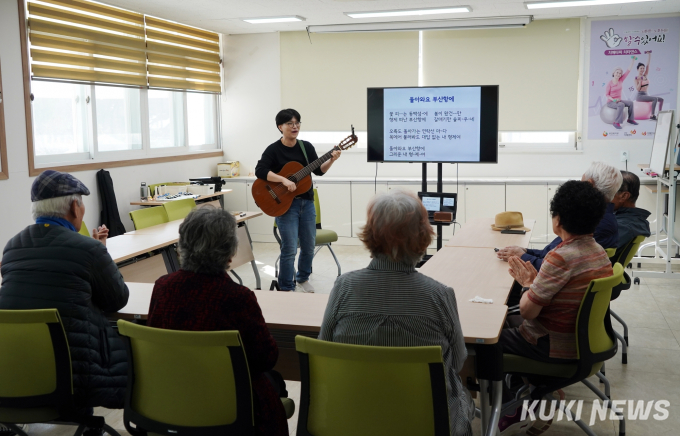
point(660, 146)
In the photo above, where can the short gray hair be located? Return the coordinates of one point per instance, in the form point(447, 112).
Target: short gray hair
point(397, 227)
point(607, 179)
point(207, 240)
point(55, 207)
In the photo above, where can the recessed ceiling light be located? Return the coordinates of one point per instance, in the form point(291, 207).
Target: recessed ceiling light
point(407, 12)
point(267, 20)
point(570, 3)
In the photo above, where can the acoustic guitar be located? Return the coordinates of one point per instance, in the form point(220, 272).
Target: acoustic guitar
point(275, 199)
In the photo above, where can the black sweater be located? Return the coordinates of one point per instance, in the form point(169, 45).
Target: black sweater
point(277, 155)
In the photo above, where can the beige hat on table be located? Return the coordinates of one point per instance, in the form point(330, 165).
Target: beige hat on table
point(509, 221)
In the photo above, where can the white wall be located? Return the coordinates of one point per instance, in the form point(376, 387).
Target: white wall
point(253, 81)
point(15, 196)
point(251, 96)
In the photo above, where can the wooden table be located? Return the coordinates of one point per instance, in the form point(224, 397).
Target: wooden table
point(676, 167)
point(478, 233)
point(287, 315)
point(162, 202)
point(471, 272)
point(163, 236)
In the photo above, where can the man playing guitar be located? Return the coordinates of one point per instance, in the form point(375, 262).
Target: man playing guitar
point(299, 222)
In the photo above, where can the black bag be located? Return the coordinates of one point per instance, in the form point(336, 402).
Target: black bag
point(109, 216)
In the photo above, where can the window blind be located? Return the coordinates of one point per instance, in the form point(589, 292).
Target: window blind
point(537, 68)
point(326, 80)
point(85, 41)
point(182, 57)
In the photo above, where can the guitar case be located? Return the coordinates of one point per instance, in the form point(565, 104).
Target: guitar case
point(109, 214)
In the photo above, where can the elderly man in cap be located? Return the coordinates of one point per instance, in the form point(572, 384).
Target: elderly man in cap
point(50, 265)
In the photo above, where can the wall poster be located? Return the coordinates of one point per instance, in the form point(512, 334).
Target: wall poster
point(633, 75)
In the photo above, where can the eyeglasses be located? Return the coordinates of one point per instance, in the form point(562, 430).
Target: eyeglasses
point(292, 124)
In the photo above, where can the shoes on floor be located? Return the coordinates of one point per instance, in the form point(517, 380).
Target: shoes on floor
point(94, 432)
point(617, 125)
point(635, 123)
point(541, 426)
point(5, 431)
point(305, 287)
point(513, 424)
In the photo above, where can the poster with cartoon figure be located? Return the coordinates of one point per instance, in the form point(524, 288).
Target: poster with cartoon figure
point(633, 76)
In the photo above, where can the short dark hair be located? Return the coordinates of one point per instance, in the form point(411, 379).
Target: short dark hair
point(630, 184)
point(286, 115)
point(207, 240)
point(580, 207)
point(639, 65)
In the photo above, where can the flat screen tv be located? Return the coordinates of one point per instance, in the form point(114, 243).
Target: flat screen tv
point(450, 124)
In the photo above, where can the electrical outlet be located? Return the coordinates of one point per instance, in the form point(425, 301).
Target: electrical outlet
point(624, 156)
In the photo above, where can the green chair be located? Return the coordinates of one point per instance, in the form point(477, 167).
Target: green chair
point(324, 237)
point(363, 390)
point(187, 382)
point(624, 256)
point(179, 209)
point(83, 230)
point(148, 216)
point(595, 343)
point(35, 369)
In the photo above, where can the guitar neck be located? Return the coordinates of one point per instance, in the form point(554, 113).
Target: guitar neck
point(314, 165)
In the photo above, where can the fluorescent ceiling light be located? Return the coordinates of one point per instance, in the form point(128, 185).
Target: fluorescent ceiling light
point(570, 3)
point(267, 20)
point(407, 12)
point(398, 26)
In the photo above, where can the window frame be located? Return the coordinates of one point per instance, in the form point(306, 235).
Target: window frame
point(4, 171)
point(65, 163)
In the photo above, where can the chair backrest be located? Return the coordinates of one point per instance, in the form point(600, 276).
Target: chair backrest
point(179, 209)
point(610, 252)
point(364, 390)
point(148, 216)
point(35, 363)
point(83, 230)
point(317, 206)
point(627, 252)
point(186, 382)
point(595, 342)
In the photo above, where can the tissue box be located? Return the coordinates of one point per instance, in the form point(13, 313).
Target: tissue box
point(228, 169)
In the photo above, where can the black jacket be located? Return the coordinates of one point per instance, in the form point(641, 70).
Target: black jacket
point(54, 267)
point(632, 222)
point(109, 216)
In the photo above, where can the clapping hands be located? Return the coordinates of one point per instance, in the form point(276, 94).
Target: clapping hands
point(523, 272)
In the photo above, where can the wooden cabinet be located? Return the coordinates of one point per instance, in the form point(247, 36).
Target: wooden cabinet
point(532, 201)
point(236, 199)
point(336, 207)
point(361, 195)
point(484, 201)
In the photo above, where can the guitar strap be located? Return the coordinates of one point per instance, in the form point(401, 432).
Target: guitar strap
point(302, 146)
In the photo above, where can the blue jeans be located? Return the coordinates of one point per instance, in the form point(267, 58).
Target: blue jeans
point(298, 223)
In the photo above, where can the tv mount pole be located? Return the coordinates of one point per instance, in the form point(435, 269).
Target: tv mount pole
point(440, 189)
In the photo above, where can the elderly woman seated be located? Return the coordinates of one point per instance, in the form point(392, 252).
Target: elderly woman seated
point(202, 297)
point(390, 304)
point(551, 298)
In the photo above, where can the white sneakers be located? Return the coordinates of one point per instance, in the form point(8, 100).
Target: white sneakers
point(305, 287)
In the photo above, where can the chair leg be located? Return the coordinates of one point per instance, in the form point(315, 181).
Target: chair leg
point(79, 431)
point(607, 386)
point(602, 371)
point(624, 353)
point(14, 428)
point(276, 267)
point(110, 430)
point(623, 323)
point(336, 260)
point(622, 421)
point(237, 277)
point(582, 425)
